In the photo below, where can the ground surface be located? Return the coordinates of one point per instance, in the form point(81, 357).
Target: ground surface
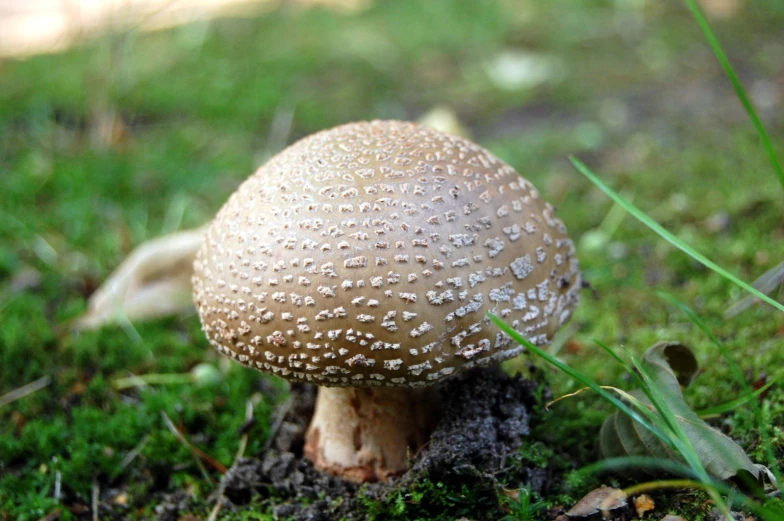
point(136, 135)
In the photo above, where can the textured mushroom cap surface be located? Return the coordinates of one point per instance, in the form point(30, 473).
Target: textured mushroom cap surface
point(370, 253)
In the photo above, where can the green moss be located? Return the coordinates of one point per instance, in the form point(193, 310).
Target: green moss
point(435, 500)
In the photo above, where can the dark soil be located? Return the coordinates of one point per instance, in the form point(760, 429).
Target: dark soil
point(485, 419)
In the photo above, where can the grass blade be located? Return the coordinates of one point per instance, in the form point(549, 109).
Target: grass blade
point(672, 434)
point(696, 320)
point(741, 400)
point(699, 16)
point(583, 379)
point(766, 283)
point(669, 237)
point(748, 394)
point(655, 419)
point(677, 436)
point(633, 463)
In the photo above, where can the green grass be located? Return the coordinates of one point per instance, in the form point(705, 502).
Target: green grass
point(199, 103)
point(740, 91)
point(669, 237)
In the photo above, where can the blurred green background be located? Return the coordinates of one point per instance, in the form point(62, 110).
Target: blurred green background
point(132, 134)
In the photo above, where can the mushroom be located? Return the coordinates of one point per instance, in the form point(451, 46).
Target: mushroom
point(364, 259)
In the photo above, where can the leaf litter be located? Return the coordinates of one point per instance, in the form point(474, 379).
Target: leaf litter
point(672, 365)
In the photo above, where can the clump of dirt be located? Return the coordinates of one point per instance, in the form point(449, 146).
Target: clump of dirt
point(485, 419)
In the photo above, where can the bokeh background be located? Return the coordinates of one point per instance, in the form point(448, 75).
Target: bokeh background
point(121, 121)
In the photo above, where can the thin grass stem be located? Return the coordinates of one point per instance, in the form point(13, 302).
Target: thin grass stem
point(740, 92)
point(669, 237)
point(737, 373)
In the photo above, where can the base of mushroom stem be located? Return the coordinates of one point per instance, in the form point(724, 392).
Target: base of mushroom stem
point(367, 434)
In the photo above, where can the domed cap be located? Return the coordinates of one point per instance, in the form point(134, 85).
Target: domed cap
point(370, 253)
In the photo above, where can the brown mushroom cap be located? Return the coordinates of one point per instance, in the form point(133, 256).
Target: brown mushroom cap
point(370, 253)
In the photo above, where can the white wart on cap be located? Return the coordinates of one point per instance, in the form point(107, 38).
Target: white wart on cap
point(368, 254)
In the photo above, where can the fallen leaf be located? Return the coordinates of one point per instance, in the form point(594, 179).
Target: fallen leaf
point(601, 500)
point(643, 503)
point(153, 281)
point(671, 365)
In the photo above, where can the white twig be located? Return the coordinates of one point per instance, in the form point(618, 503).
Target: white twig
point(57, 485)
point(95, 496)
point(133, 453)
point(26, 389)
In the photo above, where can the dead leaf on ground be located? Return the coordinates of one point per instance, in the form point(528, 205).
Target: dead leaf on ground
point(671, 365)
point(153, 281)
point(643, 503)
point(604, 500)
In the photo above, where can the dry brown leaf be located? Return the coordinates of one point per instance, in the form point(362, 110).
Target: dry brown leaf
point(643, 503)
point(153, 281)
point(603, 499)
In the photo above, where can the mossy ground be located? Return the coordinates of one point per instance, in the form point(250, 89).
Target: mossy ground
point(628, 86)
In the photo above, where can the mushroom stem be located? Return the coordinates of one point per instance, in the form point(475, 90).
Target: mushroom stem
point(366, 434)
